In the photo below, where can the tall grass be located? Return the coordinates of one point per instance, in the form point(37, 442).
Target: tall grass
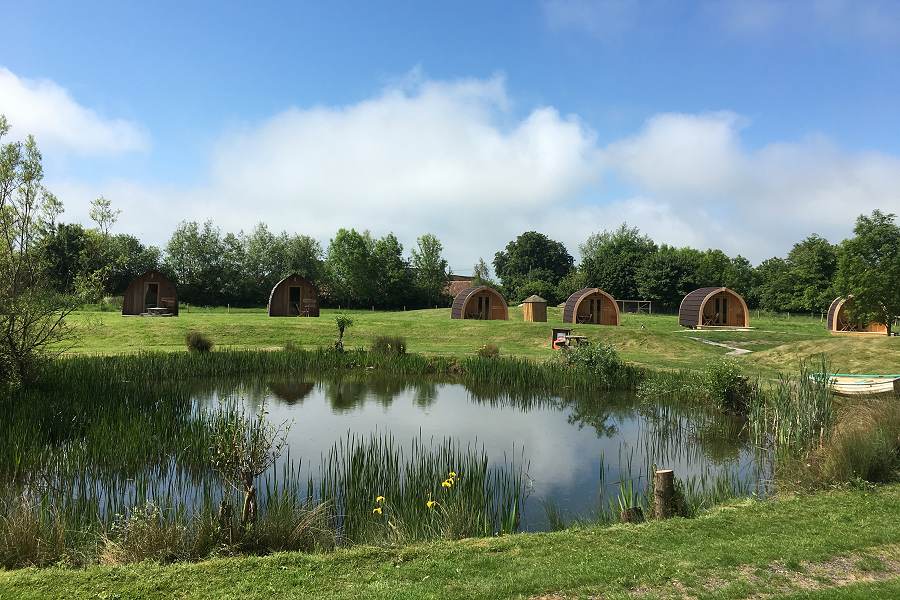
point(795, 414)
point(107, 372)
point(429, 490)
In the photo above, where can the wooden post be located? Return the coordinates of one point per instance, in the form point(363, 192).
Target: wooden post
point(664, 494)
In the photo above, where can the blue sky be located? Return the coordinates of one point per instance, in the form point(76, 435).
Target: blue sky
point(742, 125)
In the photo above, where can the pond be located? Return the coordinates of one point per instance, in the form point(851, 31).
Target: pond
point(530, 462)
point(575, 452)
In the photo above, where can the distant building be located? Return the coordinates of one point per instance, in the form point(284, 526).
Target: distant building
point(458, 283)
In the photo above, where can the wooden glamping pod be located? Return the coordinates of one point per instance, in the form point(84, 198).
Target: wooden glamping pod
point(534, 309)
point(591, 306)
point(839, 320)
point(713, 307)
point(151, 294)
point(479, 302)
point(294, 296)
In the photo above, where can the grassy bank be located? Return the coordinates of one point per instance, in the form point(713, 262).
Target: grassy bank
point(799, 547)
point(655, 341)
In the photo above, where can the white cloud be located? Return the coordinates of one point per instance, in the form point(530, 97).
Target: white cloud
point(754, 202)
point(58, 122)
point(448, 157)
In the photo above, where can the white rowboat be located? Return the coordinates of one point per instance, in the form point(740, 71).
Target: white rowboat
point(861, 385)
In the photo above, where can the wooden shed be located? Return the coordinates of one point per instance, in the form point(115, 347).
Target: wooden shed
point(481, 302)
point(151, 293)
point(534, 309)
point(294, 296)
point(839, 320)
point(713, 307)
point(591, 306)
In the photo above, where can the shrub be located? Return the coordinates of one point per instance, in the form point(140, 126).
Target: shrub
point(488, 351)
point(145, 534)
point(343, 322)
point(198, 342)
point(389, 344)
point(726, 386)
point(599, 359)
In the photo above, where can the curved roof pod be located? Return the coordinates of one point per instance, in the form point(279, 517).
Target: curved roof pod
point(479, 302)
point(839, 321)
point(294, 296)
point(713, 307)
point(152, 290)
point(591, 305)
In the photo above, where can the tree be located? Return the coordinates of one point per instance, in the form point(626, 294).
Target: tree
point(195, 257)
point(349, 268)
point(869, 269)
point(243, 448)
point(482, 274)
point(32, 312)
point(611, 259)
point(103, 214)
point(532, 261)
point(772, 289)
point(302, 255)
point(391, 272)
point(812, 264)
point(430, 271)
point(667, 275)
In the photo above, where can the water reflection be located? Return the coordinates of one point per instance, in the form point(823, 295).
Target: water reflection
point(578, 447)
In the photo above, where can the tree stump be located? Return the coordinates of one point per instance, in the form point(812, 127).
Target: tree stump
point(664, 494)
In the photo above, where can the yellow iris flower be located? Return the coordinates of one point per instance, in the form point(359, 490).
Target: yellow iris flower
point(379, 499)
point(448, 483)
point(452, 475)
point(430, 503)
point(376, 510)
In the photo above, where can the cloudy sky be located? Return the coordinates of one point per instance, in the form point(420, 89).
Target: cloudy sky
point(743, 125)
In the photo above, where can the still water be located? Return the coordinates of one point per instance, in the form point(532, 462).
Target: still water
point(576, 450)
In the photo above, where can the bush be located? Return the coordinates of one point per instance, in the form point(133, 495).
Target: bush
point(198, 342)
point(600, 359)
point(388, 344)
point(726, 386)
point(488, 351)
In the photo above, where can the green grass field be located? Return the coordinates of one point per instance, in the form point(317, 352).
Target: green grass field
point(657, 341)
point(842, 544)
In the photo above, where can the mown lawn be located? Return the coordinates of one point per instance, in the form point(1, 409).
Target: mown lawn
point(656, 341)
point(799, 548)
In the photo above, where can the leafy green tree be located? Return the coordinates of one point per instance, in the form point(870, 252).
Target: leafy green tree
point(62, 250)
point(481, 274)
point(302, 255)
point(391, 272)
point(773, 289)
point(611, 259)
point(869, 269)
point(103, 214)
point(195, 258)
point(667, 275)
point(812, 264)
point(32, 313)
point(349, 267)
point(532, 261)
point(430, 271)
